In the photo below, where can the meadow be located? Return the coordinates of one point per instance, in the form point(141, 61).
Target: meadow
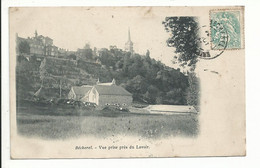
point(64, 123)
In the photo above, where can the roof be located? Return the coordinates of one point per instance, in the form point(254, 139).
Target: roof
point(47, 93)
point(112, 90)
point(171, 109)
point(81, 90)
point(38, 92)
point(105, 84)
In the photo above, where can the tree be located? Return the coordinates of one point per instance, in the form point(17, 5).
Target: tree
point(147, 54)
point(24, 47)
point(43, 71)
point(137, 85)
point(87, 46)
point(185, 39)
point(193, 94)
point(72, 56)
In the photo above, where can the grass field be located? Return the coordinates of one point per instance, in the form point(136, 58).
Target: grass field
point(64, 123)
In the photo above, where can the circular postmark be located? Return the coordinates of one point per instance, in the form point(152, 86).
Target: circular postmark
point(213, 40)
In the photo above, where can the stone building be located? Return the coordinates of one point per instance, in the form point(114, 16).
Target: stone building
point(108, 94)
point(40, 46)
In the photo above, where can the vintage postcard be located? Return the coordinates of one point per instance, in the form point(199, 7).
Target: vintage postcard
point(124, 82)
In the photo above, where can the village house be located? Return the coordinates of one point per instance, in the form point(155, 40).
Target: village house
point(108, 94)
point(77, 92)
point(41, 46)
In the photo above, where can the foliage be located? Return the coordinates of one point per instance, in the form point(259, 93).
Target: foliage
point(24, 47)
point(184, 38)
point(72, 56)
point(148, 80)
point(43, 71)
point(88, 54)
point(193, 94)
point(24, 78)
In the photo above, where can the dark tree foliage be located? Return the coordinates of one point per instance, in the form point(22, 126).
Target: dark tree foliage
point(184, 38)
point(148, 80)
point(88, 54)
point(193, 93)
point(24, 47)
point(24, 79)
point(72, 56)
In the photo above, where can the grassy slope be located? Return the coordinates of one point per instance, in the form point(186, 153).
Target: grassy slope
point(71, 123)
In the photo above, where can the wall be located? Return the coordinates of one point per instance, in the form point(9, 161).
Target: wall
point(115, 99)
point(94, 96)
point(86, 97)
point(71, 95)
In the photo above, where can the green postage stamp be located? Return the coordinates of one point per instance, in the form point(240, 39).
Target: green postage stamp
point(226, 28)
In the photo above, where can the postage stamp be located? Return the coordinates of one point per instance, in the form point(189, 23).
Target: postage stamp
point(226, 22)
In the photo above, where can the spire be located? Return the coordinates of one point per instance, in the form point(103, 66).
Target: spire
point(129, 36)
point(129, 43)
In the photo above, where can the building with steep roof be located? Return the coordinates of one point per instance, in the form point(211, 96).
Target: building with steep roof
point(108, 94)
point(78, 92)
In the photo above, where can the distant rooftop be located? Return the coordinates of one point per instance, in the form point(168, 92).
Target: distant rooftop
point(112, 90)
point(81, 90)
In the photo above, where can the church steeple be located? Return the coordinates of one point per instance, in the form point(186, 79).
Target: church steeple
point(129, 36)
point(129, 44)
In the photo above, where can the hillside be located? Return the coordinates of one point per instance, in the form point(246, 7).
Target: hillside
point(149, 81)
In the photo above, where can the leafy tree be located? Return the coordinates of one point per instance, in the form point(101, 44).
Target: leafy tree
point(184, 38)
point(147, 54)
point(87, 46)
point(193, 94)
point(33, 59)
point(88, 54)
point(95, 52)
point(107, 58)
point(175, 96)
point(137, 85)
point(43, 71)
point(23, 80)
point(24, 47)
point(72, 56)
point(21, 58)
point(148, 80)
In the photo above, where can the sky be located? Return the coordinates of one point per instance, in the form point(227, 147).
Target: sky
point(72, 28)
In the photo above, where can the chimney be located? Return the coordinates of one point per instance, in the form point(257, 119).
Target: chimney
point(113, 81)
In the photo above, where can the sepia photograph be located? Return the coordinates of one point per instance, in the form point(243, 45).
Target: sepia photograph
point(119, 82)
